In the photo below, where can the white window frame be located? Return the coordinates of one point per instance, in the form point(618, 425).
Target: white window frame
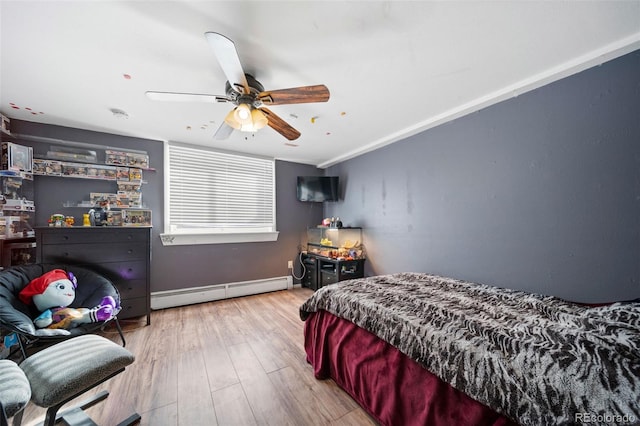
point(176, 236)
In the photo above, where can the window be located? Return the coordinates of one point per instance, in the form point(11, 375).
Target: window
point(218, 197)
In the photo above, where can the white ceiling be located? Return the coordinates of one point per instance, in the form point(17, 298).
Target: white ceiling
point(393, 68)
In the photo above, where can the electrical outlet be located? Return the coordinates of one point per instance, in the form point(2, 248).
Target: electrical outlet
point(290, 264)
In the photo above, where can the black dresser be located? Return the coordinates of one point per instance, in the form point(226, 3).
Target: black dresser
point(122, 254)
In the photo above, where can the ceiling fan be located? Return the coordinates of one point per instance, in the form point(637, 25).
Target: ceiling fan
point(247, 94)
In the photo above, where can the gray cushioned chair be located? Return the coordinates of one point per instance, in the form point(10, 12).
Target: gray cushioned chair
point(61, 373)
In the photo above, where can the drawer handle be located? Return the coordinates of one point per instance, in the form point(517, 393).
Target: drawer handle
point(129, 251)
point(65, 237)
point(130, 270)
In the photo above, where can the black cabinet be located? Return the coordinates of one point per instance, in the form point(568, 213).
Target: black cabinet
point(321, 271)
point(122, 254)
point(310, 277)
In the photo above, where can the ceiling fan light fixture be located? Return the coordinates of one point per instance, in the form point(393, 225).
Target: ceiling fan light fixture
point(259, 119)
point(246, 118)
point(230, 119)
point(243, 113)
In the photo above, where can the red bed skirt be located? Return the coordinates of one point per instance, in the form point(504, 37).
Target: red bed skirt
point(391, 387)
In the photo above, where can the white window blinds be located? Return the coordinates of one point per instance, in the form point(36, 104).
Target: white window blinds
point(215, 192)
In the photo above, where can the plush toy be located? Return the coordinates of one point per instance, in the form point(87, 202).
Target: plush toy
point(52, 293)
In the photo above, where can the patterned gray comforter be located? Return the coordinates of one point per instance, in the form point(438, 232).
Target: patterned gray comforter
point(536, 359)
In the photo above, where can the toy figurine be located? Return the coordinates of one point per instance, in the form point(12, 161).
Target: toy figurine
point(99, 215)
point(57, 220)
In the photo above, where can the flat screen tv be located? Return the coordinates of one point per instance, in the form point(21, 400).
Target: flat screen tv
point(318, 188)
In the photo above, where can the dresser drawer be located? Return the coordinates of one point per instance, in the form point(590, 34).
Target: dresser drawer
point(94, 253)
point(132, 308)
point(131, 289)
point(94, 235)
point(328, 278)
point(122, 274)
point(123, 271)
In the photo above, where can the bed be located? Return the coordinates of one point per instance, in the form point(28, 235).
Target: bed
point(420, 349)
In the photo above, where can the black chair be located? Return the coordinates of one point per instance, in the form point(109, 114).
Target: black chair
point(17, 317)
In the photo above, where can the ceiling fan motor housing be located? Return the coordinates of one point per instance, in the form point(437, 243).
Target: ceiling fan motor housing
point(236, 95)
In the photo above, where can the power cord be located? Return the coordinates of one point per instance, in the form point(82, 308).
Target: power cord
point(304, 268)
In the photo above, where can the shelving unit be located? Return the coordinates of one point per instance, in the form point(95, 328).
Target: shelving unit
point(102, 171)
point(333, 255)
point(89, 205)
point(17, 236)
point(77, 160)
point(122, 207)
point(128, 194)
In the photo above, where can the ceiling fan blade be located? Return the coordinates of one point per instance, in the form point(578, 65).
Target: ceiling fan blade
point(185, 97)
point(223, 132)
point(295, 95)
point(227, 56)
point(280, 126)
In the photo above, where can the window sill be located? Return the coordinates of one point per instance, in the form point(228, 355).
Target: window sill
point(194, 239)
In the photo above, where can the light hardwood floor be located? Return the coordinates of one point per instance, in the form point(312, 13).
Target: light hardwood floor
point(230, 362)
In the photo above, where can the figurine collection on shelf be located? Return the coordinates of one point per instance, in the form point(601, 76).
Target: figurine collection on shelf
point(16, 196)
point(17, 165)
point(61, 221)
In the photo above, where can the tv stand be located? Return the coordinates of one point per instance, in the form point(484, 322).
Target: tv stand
point(321, 271)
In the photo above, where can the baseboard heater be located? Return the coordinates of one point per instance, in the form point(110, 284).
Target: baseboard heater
point(192, 295)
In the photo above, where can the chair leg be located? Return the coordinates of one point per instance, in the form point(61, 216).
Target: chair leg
point(75, 415)
point(124, 342)
point(17, 419)
point(3, 417)
point(115, 321)
point(22, 348)
point(131, 420)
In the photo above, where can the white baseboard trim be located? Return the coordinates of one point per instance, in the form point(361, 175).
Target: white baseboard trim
point(192, 295)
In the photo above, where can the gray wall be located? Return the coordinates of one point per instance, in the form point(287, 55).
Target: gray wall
point(540, 192)
point(177, 267)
